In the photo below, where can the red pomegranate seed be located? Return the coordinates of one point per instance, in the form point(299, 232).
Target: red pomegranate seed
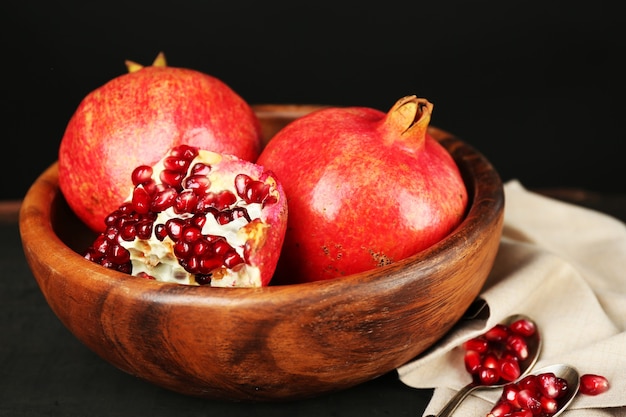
point(549, 385)
point(175, 163)
point(498, 333)
point(517, 344)
point(501, 409)
point(174, 228)
point(163, 199)
point(477, 344)
point(491, 361)
point(509, 394)
point(256, 192)
point(509, 369)
point(200, 168)
point(472, 360)
point(199, 183)
point(141, 200)
point(528, 400)
point(488, 376)
point(241, 184)
point(141, 175)
point(172, 178)
point(232, 259)
point(549, 405)
point(523, 327)
point(184, 151)
point(185, 202)
point(592, 384)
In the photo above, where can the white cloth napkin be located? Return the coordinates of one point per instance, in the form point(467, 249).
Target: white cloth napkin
point(564, 266)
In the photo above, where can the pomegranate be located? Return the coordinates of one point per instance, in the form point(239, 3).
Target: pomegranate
point(198, 218)
point(134, 119)
point(495, 356)
point(365, 189)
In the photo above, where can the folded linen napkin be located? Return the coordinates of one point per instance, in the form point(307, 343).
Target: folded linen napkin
point(564, 266)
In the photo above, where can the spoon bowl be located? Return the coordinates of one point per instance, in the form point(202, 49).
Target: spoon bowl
point(569, 374)
point(534, 347)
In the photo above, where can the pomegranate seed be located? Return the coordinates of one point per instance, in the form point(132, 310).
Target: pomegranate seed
point(200, 168)
point(172, 178)
point(528, 400)
point(491, 361)
point(119, 254)
point(182, 249)
point(509, 394)
point(199, 183)
point(184, 151)
point(472, 360)
point(185, 202)
point(141, 200)
point(498, 333)
point(174, 228)
point(191, 234)
point(549, 405)
point(501, 409)
point(175, 163)
point(232, 259)
point(488, 376)
point(592, 384)
point(477, 344)
point(521, 413)
point(141, 175)
point(517, 344)
point(509, 369)
point(163, 199)
point(523, 327)
point(241, 184)
point(160, 232)
point(548, 384)
point(256, 192)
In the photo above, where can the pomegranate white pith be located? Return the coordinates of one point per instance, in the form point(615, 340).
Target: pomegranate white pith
point(197, 218)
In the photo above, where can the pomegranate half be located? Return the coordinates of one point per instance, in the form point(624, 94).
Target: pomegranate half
point(365, 188)
point(134, 119)
point(197, 218)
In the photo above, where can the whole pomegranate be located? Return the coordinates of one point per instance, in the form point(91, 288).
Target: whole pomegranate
point(134, 119)
point(365, 188)
point(197, 218)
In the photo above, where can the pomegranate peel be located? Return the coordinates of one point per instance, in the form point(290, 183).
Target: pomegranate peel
point(198, 218)
point(134, 119)
point(365, 189)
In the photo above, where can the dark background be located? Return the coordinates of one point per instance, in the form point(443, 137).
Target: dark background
point(536, 86)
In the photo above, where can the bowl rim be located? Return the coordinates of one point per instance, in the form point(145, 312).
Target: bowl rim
point(485, 206)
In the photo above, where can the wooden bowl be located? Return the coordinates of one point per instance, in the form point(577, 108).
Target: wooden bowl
point(273, 343)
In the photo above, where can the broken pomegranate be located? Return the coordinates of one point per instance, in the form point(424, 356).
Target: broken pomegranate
point(134, 119)
point(365, 189)
point(197, 218)
point(495, 356)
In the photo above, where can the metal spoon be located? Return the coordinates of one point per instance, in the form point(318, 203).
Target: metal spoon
point(568, 373)
point(534, 346)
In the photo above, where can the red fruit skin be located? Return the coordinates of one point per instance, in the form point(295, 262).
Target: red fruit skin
point(134, 119)
point(359, 196)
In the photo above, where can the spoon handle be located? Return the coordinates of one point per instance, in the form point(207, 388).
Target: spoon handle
point(454, 402)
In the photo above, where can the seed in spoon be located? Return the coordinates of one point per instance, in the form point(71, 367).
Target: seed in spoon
point(534, 395)
point(495, 355)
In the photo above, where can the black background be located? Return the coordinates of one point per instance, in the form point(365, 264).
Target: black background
point(536, 86)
